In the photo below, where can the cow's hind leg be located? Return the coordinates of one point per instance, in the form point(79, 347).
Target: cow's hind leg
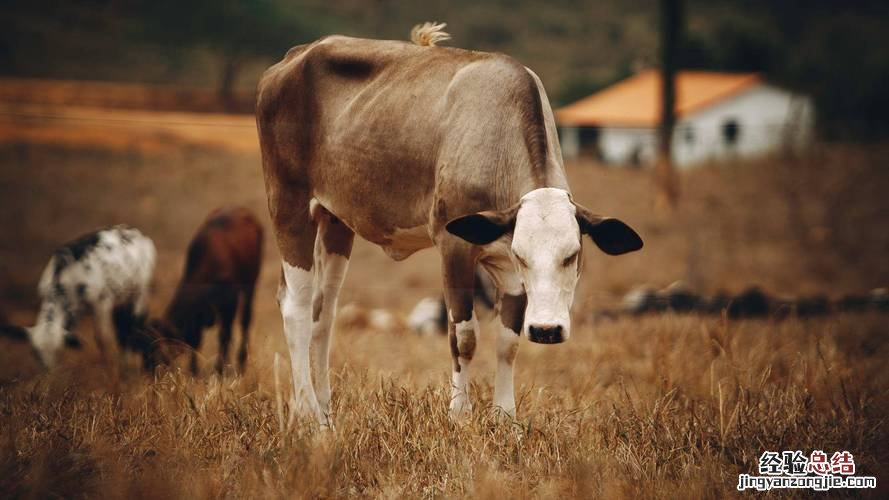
point(295, 231)
point(106, 337)
point(124, 319)
point(333, 246)
point(137, 339)
point(227, 307)
point(246, 317)
point(458, 266)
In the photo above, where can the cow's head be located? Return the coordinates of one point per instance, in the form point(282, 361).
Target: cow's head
point(158, 341)
point(48, 337)
point(53, 331)
point(546, 228)
point(189, 313)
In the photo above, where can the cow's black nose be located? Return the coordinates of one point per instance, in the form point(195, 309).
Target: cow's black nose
point(545, 334)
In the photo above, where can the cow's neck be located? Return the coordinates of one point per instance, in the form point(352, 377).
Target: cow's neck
point(552, 176)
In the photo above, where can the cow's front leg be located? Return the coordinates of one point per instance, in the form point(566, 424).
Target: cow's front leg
point(106, 338)
point(295, 298)
point(511, 313)
point(459, 281)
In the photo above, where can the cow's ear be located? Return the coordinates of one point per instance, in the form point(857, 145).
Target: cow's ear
point(485, 227)
point(612, 236)
point(14, 332)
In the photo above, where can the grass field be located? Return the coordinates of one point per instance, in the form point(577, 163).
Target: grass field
point(667, 406)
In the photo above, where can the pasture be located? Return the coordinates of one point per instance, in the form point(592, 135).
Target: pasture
point(658, 406)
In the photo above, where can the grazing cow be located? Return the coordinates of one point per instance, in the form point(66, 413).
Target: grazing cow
point(108, 273)
point(641, 300)
point(679, 298)
point(853, 303)
point(717, 304)
point(879, 299)
point(815, 305)
point(412, 146)
point(430, 315)
point(221, 268)
point(751, 303)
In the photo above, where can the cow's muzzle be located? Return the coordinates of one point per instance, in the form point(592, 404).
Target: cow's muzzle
point(546, 334)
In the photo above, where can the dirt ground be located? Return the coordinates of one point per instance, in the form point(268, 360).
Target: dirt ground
point(653, 407)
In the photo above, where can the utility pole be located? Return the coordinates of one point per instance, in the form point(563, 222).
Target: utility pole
point(665, 176)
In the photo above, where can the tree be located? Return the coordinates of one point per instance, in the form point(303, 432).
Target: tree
point(236, 31)
point(670, 15)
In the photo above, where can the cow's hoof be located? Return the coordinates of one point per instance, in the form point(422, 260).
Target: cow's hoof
point(460, 413)
point(325, 425)
point(505, 415)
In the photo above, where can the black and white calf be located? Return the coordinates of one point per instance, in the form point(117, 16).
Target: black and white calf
point(108, 273)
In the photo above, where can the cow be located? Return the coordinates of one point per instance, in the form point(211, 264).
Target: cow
point(107, 273)
point(221, 268)
point(410, 146)
point(430, 315)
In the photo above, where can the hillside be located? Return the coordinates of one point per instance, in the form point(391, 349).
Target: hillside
point(833, 51)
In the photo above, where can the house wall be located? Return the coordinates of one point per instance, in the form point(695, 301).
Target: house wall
point(765, 118)
point(569, 140)
point(628, 146)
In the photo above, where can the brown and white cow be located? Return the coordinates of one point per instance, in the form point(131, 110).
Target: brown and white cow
point(412, 146)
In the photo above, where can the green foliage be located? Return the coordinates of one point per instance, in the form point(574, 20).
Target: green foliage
point(831, 50)
point(234, 28)
point(578, 86)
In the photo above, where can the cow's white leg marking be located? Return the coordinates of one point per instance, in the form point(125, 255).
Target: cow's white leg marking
point(330, 272)
point(507, 348)
point(511, 305)
point(296, 311)
point(140, 303)
point(461, 406)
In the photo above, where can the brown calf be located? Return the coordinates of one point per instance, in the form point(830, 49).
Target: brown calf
point(220, 272)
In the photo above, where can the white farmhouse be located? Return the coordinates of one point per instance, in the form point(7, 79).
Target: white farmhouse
point(718, 116)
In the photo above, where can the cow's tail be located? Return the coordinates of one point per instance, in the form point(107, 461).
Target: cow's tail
point(429, 34)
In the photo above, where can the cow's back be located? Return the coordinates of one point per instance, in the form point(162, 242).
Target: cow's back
point(117, 262)
point(362, 122)
point(227, 249)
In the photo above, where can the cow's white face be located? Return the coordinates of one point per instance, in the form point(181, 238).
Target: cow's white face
point(546, 228)
point(546, 252)
point(48, 335)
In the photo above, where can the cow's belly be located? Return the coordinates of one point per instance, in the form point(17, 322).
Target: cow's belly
point(402, 243)
point(400, 233)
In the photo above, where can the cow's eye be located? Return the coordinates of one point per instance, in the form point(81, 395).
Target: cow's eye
point(570, 260)
point(521, 261)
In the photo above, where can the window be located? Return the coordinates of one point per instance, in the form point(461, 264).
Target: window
point(731, 130)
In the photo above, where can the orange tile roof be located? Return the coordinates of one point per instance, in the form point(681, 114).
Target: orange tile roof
point(635, 102)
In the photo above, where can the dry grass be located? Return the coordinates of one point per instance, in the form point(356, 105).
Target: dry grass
point(671, 406)
point(662, 407)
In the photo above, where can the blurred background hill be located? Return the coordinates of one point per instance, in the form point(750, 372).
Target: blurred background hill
point(833, 51)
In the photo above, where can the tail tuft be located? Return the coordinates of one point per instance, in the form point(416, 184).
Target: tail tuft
point(429, 34)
